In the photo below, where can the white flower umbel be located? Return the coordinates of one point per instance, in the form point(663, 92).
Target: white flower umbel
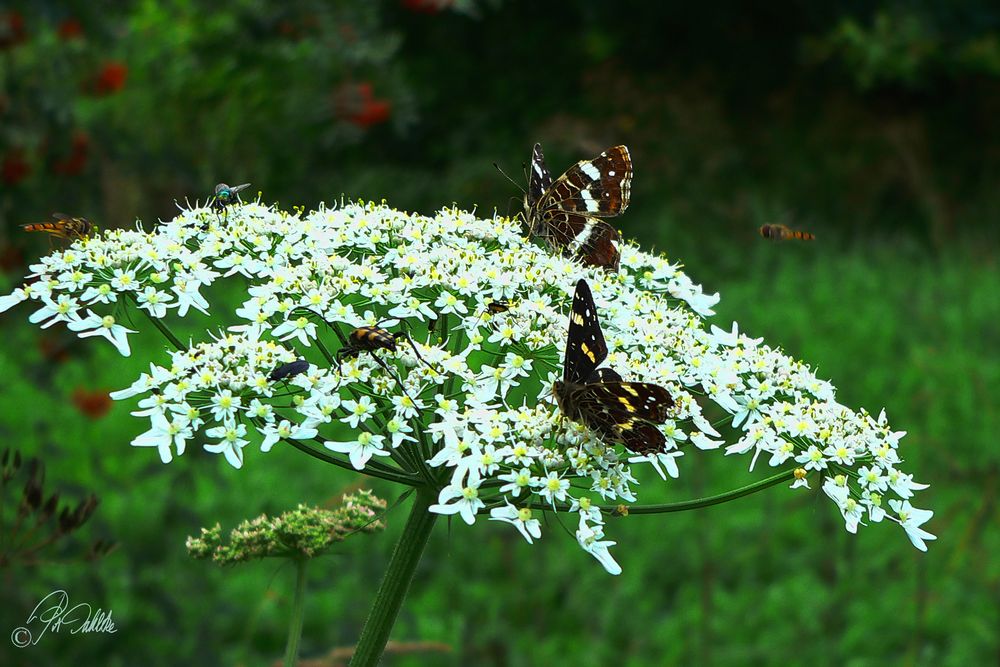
point(462, 402)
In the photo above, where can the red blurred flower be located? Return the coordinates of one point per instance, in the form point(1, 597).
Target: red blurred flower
point(11, 29)
point(11, 259)
point(76, 161)
point(93, 403)
point(356, 104)
point(372, 113)
point(81, 141)
point(426, 6)
point(111, 78)
point(15, 168)
point(70, 166)
point(53, 348)
point(69, 29)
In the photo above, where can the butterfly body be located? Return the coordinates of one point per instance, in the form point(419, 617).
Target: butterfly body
point(566, 212)
point(784, 233)
point(620, 412)
point(64, 227)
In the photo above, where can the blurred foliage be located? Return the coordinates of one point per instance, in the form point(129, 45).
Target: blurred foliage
point(870, 124)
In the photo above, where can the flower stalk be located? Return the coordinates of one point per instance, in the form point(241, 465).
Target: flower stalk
point(684, 505)
point(396, 582)
point(298, 614)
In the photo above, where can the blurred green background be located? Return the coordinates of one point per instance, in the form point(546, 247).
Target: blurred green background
point(871, 124)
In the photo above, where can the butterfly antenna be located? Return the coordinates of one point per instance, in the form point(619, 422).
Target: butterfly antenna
point(516, 184)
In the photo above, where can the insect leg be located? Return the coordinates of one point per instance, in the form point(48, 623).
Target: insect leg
point(403, 335)
point(399, 380)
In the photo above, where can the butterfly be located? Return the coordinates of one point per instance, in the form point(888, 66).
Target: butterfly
point(567, 212)
point(618, 411)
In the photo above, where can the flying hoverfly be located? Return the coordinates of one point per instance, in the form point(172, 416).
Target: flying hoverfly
point(776, 232)
point(618, 411)
point(64, 227)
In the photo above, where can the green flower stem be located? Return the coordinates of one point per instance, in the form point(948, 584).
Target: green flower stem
point(396, 582)
point(174, 340)
point(685, 505)
point(298, 614)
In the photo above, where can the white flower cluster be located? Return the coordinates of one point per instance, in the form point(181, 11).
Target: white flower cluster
point(461, 398)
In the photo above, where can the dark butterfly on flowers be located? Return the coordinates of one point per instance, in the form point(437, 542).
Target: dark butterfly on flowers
point(566, 213)
point(620, 412)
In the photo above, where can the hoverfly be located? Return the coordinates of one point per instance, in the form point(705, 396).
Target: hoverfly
point(618, 411)
point(64, 227)
point(777, 232)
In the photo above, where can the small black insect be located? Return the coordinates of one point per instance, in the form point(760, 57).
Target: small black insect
point(497, 307)
point(618, 411)
point(289, 370)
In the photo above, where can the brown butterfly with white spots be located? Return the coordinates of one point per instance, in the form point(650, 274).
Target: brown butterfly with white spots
point(566, 213)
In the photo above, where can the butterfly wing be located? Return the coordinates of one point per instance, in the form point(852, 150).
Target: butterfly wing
point(539, 178)
point(604, 375)
point(600, 187)
point(567, 214)
point(611, 420)
point(641, 400)
point(593, 241)
point(585, 346)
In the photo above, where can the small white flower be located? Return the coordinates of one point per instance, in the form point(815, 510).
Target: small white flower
point(466, 501)
point(911, 519)
point(552, 487)
point(154, 301)
point(283, 431)
point(163, 434)
point(231, 442)
point(521, 519)
point(591, 539)
point(517, 481)
point(358, 411)
point(95, 325)
point(361, 450)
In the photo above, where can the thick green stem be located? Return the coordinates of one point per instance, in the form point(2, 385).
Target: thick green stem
point(396, 582)
point(298, 614)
